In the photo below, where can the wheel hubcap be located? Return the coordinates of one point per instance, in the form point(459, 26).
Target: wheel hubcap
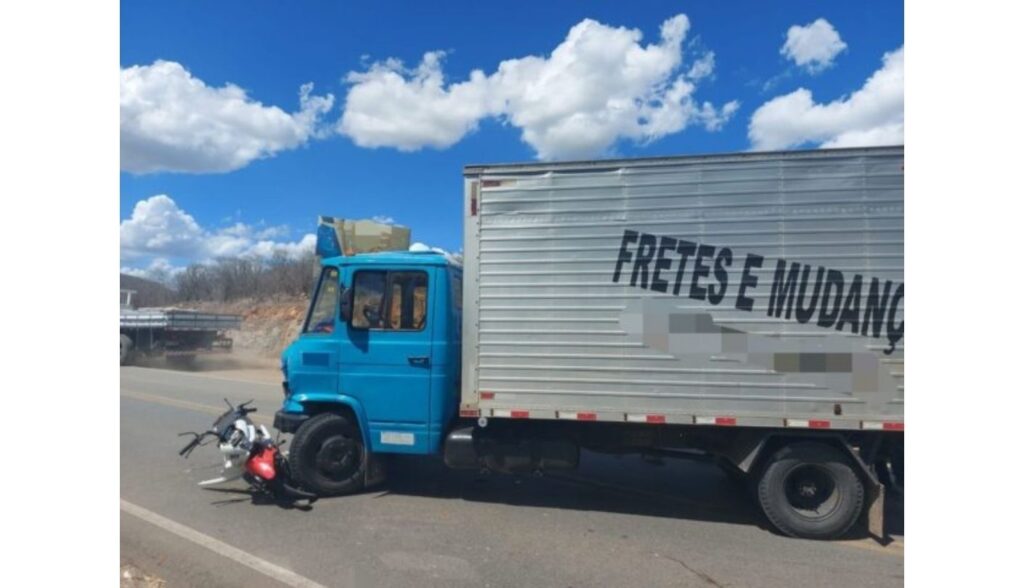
point(812, 492)
point(337, 457)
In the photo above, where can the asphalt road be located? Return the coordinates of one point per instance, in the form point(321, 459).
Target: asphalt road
point(614, 522)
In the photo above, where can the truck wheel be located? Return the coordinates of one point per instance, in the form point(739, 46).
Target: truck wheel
point(811, 490)
point(327, 455)
point(126, 350)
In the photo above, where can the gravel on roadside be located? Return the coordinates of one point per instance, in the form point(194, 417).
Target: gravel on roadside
point(133, 577)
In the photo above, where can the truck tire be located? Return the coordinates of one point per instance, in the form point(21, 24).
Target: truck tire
point(326, 456)
point(126, 350)
point(811, 490)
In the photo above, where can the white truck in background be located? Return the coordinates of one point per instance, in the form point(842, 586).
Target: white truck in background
point(174, 333)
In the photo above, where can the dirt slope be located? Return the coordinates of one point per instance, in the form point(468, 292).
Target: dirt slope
point(268, 326)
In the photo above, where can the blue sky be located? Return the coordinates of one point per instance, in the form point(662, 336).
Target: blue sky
point(246, 170)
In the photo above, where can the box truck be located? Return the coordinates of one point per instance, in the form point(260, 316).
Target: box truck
point(747, 307)
point(175, 333)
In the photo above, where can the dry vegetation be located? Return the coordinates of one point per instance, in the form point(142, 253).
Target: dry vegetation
point(236, 278)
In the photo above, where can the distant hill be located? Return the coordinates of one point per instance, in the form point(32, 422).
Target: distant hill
point(148, 292)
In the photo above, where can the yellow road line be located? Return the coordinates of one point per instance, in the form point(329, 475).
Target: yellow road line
point(189, 405)
point(137, 369)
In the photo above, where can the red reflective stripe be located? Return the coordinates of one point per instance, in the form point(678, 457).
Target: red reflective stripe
point(656, 418)
point(892, 426)
point(487, 396)
point(728, 421)
point(586, 416)
point(469, 412)
point(520, 414)
point(819, 424)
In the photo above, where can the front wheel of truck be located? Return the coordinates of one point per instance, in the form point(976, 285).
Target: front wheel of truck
point(326, 456)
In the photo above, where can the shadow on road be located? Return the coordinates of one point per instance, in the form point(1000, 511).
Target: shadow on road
point(258, 499)
point(681, 489)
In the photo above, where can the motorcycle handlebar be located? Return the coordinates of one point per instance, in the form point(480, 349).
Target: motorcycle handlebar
point(187, 449)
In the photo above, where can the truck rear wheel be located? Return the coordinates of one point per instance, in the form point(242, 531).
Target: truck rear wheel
point(326, 456)
point(126, 350)
point(811, 490)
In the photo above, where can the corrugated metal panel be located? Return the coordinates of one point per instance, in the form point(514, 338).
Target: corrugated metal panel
point(550, 329)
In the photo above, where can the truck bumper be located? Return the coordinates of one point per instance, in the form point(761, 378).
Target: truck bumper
point(288, 422)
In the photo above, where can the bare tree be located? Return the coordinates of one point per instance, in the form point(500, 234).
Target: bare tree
point(196, 282)
point(229, 279)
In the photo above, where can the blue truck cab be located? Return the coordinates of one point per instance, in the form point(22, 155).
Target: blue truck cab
point(378, 360)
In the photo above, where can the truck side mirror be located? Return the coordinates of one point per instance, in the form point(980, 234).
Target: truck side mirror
point(372, 315)
point(346, 305)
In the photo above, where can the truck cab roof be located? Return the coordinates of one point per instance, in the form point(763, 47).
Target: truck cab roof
point(394, 258)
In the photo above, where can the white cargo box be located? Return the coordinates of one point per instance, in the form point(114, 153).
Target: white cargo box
point(760, 289)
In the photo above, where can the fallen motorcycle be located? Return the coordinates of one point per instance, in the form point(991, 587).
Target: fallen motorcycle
point(249, 453)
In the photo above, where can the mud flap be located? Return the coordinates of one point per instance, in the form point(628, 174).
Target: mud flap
point(375, 472)
point(876, 514)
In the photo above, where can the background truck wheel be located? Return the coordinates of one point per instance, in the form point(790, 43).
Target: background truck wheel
point(126, 350)
point(326, 456)
point(811, 490)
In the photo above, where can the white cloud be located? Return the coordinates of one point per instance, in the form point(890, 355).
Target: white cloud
point(600, 85)
point(702, 67)
point(159, 228)
point(257, 231)
point(383, 219)
point(391, 106)
point(873, 115)
point(292, 250)
point(272, 232)
point(160, 270)
point(172, 121)
point(813, 46)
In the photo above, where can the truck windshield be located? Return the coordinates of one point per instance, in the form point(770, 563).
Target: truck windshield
point(325, 304)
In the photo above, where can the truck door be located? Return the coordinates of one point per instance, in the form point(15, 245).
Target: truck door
point(387, 367)
point(313, 357)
